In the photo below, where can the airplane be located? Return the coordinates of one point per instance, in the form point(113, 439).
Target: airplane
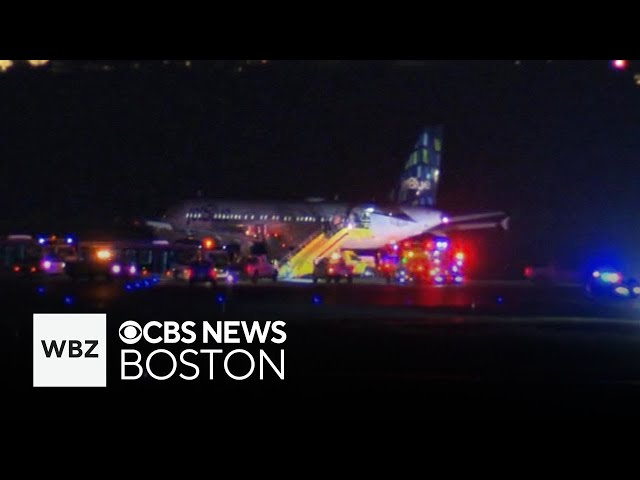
point(292, 223)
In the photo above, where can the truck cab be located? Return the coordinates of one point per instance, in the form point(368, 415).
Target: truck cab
point(332, 268)
point(258, 266)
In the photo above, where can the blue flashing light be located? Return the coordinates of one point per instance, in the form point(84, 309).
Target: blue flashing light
point(155, 279)
point(316, 299)
point(68, 300)
point(442, 245)
point(136, 285)
point(41, 241)
point(40, 290)
point(69, 240)
point(458, 279)
point(220, 298)
point(128, 286)
point(439, 279)
point(499, 300)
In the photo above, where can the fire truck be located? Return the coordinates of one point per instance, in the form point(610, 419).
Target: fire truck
point(432, 260)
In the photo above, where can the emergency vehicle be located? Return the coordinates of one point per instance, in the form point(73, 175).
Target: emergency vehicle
point(432, 260)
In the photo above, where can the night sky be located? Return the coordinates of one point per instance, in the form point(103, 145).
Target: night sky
point(555, 144)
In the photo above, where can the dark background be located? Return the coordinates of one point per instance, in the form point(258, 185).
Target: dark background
point(554, 143)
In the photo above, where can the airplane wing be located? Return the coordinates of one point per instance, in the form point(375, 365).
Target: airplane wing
point(476, 221)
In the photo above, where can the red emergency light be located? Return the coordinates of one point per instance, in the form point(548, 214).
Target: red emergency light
point(620, 64)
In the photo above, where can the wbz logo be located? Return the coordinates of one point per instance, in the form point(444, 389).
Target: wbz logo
point(75, 348)
point(69, 350)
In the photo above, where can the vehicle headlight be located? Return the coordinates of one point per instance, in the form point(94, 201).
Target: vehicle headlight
point(624, 291)
point(104, 254)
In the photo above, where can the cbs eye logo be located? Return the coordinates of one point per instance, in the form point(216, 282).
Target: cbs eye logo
point(130, 332)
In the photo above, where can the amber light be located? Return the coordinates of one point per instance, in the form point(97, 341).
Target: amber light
point(104, 254)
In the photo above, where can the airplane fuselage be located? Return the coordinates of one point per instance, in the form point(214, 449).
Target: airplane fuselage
point(233, 219)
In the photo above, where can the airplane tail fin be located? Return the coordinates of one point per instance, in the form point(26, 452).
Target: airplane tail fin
point(421, 174)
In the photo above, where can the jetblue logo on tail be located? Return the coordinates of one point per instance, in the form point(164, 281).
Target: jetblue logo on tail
point(421, 174)
point(69, 350)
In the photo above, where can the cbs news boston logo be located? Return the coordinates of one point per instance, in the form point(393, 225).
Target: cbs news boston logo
point(69, 350)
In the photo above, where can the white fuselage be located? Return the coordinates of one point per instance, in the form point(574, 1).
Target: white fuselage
point(227, 219)
point(386, 228)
